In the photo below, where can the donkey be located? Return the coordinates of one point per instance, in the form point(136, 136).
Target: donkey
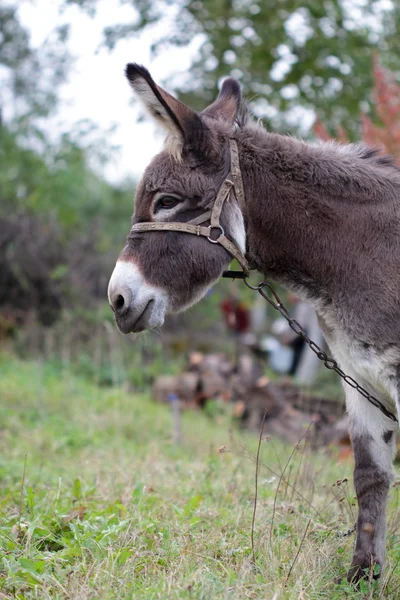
point(322, 219)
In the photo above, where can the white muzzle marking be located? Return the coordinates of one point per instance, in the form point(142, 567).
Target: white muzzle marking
point(137, 304)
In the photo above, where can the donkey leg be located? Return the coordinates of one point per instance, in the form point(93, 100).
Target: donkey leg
point(373, 440)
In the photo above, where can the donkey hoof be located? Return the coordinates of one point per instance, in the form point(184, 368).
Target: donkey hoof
point(365, 567)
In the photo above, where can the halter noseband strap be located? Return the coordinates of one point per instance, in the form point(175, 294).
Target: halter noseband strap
point(233, 180)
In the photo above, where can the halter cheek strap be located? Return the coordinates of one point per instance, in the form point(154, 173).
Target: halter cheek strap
point(194, 226)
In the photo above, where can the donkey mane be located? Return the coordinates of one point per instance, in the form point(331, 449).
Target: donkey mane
point(359, 173)
point(373, 154)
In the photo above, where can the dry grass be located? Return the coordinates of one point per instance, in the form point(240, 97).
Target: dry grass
point(109, 508)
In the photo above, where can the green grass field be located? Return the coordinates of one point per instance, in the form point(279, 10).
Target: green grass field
point(96, 502)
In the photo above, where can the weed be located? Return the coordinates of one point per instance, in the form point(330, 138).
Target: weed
point(97, 503)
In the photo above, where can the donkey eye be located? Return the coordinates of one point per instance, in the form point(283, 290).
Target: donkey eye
point(167, 202)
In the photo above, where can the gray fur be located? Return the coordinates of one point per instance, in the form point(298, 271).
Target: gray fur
point(322, 219)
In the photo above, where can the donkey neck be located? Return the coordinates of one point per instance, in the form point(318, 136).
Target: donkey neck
point(310, 209)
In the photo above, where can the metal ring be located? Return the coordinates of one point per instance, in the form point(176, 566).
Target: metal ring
point(256, 288)
point(220, 235)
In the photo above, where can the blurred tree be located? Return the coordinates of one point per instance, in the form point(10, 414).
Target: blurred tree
point(315, 54)
point(61, 227)
point(29, 76)
point(61, 223)
point(382, 128)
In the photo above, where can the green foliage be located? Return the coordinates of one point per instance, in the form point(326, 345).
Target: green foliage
point(30, 76)
point(382, 131)
point(62, 225)
point(60, 183)
point(315, 55)
point(97, 503)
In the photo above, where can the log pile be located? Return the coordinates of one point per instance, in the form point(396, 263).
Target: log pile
point(289, 410)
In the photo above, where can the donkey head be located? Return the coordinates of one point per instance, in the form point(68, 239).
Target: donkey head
point(167, 271)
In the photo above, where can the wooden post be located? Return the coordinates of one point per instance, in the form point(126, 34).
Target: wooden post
point(176, 418)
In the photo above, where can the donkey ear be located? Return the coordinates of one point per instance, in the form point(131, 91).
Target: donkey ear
point(169, 112)
point(227, 106)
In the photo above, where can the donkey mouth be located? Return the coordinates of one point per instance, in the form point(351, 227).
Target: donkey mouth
point(133, 323)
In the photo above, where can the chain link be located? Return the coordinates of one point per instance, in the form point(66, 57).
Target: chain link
point(330, 363)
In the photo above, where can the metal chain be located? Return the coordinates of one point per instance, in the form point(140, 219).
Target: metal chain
point(330, 363)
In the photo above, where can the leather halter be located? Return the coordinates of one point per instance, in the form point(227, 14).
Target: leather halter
point(232, 181)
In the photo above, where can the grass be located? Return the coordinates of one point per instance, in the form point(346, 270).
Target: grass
point(97, 503)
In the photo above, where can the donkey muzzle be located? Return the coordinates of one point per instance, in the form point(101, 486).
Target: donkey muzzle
point(136, 304)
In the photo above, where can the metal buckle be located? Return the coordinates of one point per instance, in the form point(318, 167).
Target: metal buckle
point(222, 232)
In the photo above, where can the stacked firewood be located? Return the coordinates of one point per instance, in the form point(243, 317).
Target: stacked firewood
point(206, 377)
point(289, 412)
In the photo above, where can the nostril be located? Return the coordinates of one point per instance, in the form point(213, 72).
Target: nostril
point(119, 302)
